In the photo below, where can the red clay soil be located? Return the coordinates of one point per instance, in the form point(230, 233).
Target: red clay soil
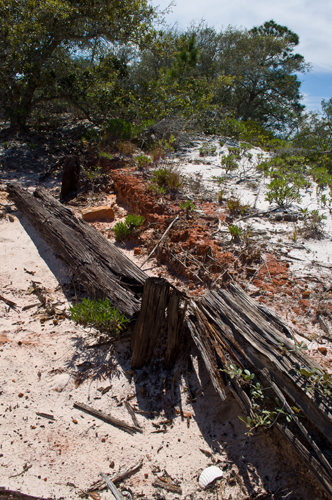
point(190, 251)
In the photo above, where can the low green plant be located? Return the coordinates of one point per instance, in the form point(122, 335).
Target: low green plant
point(118, 129)
point(313, 224)
point(283, 192)
point(235, 152)
point(264, 410)
point(143, 161)
point(229, 163)
point(168, 178)
point(235, 232)
point(122, 230)
point(207, 150)
point(221, 196)
point(316, 379)
point(126, 147)
point(235, 206)
point(134, 221)
point(187, 206)
point(99, 314)
point(103, 154)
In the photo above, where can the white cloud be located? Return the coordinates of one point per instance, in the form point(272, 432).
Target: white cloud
point(310, 19)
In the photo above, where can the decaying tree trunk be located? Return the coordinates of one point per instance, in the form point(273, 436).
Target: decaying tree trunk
point(70, 177)
point(160, 302)
point(100, 266)
point(228, 327)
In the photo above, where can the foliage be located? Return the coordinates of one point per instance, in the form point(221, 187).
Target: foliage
point(143, 161)
point(207, 150)
point(283, 192)
point(187, 206)
point(99, 314)
point(235, 206)
point(167, 178)
point(122, 230)
point(134, 221)
point(235, 232)
point(313, 225)
point(264, 411)
point(229, 163)
point(43, 45)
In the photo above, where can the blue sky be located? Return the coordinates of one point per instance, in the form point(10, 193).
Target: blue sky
point(310, 19)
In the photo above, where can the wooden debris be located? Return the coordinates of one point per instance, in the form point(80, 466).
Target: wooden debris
point(112, 487)
point(9, 303)
point(107, 418)
point(100, 266)
point(129, 472)
point(230, 328)
point(26, 467)
point(17, 495)
point(118, 478)
point(45, 415)
point(132, 414)
point(167, 485)
point(158, 295)
point(161, 239)
point(30, 306)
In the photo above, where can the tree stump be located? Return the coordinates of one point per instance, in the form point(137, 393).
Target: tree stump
point(150, 320)
point(161, 305)
point(70, 177)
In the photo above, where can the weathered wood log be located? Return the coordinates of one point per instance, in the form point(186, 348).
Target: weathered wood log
point(70, 177)
point(162, 305)
point(228, 327)
point(150, 320)
point(100, 266)
point(175, 315)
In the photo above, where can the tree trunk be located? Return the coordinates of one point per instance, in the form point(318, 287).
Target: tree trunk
point(70, 178)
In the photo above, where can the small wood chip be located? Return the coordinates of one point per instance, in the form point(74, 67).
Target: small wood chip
point(167, 485)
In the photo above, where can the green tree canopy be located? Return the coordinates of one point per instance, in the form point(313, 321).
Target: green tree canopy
point(38, 40)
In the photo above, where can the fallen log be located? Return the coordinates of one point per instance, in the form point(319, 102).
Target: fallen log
point(100, 266)
point(234, 334)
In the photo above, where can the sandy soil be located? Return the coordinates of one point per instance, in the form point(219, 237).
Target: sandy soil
point(53, 450)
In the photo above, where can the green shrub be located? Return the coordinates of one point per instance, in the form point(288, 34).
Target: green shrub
point(283, 192)
point(134, 221)
point(168, 178)
point(122, 230)
point(187, 206)
point(235, 206)
point(229, 163)
point(207, 150)
point(103, 154)
point(221, 195)
point(235, 232)
point(117, 129)
point(143, 161)
point(99, 314)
